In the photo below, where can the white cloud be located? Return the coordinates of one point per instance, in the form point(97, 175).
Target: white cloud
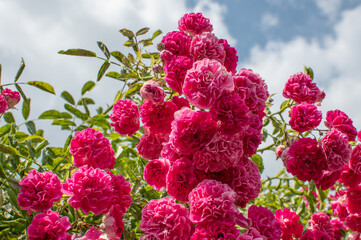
point(330, 8)
point(269, 20)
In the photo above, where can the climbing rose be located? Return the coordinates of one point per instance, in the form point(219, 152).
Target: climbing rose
point(353, 222)
point(349, 178)
point(322, 222)
point(339, 207)
point(3, 104)
point(328, 179)
point(91, 234)
point(164, 219)
point(152, 91)
point(215, 231)
point(290, 224)
point(175, 72)
point(300, 88)
point(121, 192)
point(49, 225)
point(279, 150)
point(113, 222)
point(90, 190)
point(89, 147)
point(12, 97)
point(150, 145)
point(339, 120)
point(231, 59)
point(205, 82)
point(125, 117)
point(155, 173)
point(211, 201)
point(337, 226)
point(337, 149)
point(207, 46)
point(313, 234)
point(177, 43)
point(353, 199)
point(180, 102)
point(194, 23)
point(355, 160)
point(38, 191)
point(305, 117)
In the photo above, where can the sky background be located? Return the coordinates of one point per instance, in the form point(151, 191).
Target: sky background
point(275, 38)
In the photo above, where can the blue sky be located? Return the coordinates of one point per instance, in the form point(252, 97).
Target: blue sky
point(273, 37)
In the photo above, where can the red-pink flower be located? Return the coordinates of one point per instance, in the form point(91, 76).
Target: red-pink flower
point(353, 199)
point(305, 117)
point(205, 82)
point(49, 226)
point(337, 226)
point(337, 149)
point(191, 130)
point(207, 46)
point(121, 192)
point(178, 43)
point(89, 147)
point(164, 219)
point(12, 97)
point(125, 117)
point(157, 117)
point(38, 191)
point(150, 145)
point(300, 88)
point(231, 59)
point(279, 150)
point(152, 91)
point(91, 234)
point(328, 179)
point(355, 160)
point(290, 224)
point(114, 223)
point(155, 173)
point(212, 201)
point(322, 222)
point(353, 222)
point(180, 102)
point(194, 23)
point(313, 234)
point(175, 72)
point(349, 178)
point(306, 160)
point(339, 120)
point(90, 190)
point(215, 231)
point(3, 104)
point(169, 152)
point(339, 207)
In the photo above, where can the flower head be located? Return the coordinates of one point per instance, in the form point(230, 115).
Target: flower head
point(300, 88)
point(194, 23)
point(125, 117)
point(152, 91)
point(12, 97)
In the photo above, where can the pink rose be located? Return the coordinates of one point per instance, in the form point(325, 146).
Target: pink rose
point(337, 226)
point(300, 88)
point(180, 102)
point(322, 222)
point(231, 59)
point(313, 234)
point(3, 104)
point(12, 97)
point(194, 23)
point(215, 231)
point(349, 178)
point(91, 234)
point(114, 223)
point(178, 43)
point(125, 117)
point(328, 179)
point(175, 71)
point(89, 147)
point(49, 225)
point(155, 173)
point(353, 199)
point(340, 207)
point(151, 145)
point(152, 91)
point(121, 192)
point(205, 82)
point(339, 120)
point(353, 222)
point(279, 150)
point(38, 191)
point(305, 117)
point(355, 160)
point(207, 46)
point(290, 224)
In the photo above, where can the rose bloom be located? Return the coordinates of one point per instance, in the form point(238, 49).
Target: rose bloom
point(91, 234)
point(155, 173)
point(49, 225)
point(177, 43)
point(313, 234)
point(175, 72)
point(121, 192)
point(3, 104)
point(207, 46)
point(180, 102)
point(355, 160)
point(211, 201)
point(168, 152)
point(306, 160)
point(12, 97)
point(300, 88)
point(194, 23)
point(150, 145)
point(339, 120)
point(231, 59)
point(38, 191)
point(125, 117)
point(279, 150)
point(353, 222)
point(349, 178)
point(215, 231)
point(305, 117)
point(337, 149)
point(353, 199)
point(322, 222)
point(164, 219)
point(290, 224)
point(337, 226)
point(328, 179)
point(114, 223)
point(89, 147)
point(339, 207)
point(152, 91)
point(205, 82)
point(252, 137)
point(157, 117)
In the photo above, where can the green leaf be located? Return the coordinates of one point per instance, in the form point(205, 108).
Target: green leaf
point(26, 108)
point(68, 97)
point(5, 129)
point(103, 69)
point(78, 52)
point(257, 159)
point(87, 87)
point(9, 118)
point(133, 89)
point(54, 114)
point(146, 42)
point(142, 31)
point(87, 101)
point(104, 49)
point(20, 70)
point(30, 125)
point(75, 111)
point(63, 122)
point(285, 104)
point(127, 33)
point(126, 62)
point(43, 86)
point(308, 71)
point(119, 76)
point(21, 92)
point(156, 34)
point(131, 58)
point(130, 43)
point(117, 55)
point(8, 149)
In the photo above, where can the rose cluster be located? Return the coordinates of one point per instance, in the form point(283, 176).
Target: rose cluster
point(8, 99)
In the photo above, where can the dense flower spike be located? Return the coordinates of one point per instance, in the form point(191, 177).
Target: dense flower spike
point(125, 117)
point(49, 226)
point(175, 72)
point(3, 104)
point(12, 97)
point(205, 82)
point(152, 91)
point(155, 173)
point(164, 219)
point(290, 225)
point(339, 120)
point(89, 147)
point(38, 191)
point(305, 117)
point(300, 88)
point(194, 23)
point(177, 43)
